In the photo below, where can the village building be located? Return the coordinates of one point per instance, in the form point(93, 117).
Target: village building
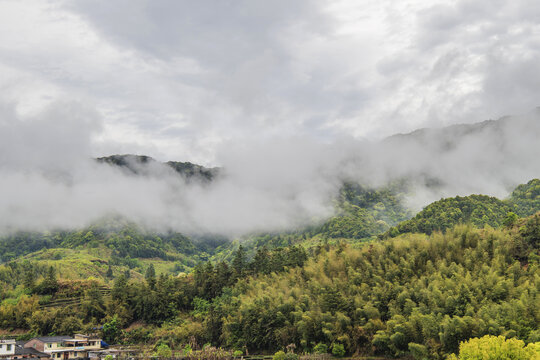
point(7, 348)
point(12, 350)
point(65, 347)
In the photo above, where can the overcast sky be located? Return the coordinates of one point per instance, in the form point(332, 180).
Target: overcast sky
point(183, 79)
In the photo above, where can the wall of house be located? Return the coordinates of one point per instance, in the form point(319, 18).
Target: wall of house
point(36, 344)
point(53, 346)
point(7, 347)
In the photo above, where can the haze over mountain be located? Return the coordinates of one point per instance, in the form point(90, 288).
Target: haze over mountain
point(49, 179)
point(287, 100)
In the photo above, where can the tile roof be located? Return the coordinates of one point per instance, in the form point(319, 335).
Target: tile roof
point(29, 351)
point(51, 339)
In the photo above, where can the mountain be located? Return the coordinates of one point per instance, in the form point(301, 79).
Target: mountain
point(527, 198)
point(414, 294)
point(374, 279)
point(146, 165)
point(478, 210)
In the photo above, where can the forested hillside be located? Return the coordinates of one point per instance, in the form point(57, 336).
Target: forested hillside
point(526, 197)
point(124, 238)
point(478, 210)
point(462, 268)
point(413, 293)
point(144, 165)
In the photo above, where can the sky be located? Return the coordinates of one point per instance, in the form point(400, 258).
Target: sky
point(181, 80)
point(289, 97)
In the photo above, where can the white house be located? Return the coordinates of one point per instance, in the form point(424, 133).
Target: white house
point(7, 348)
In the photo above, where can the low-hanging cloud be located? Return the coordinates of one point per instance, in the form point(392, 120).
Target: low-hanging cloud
point(49, 180)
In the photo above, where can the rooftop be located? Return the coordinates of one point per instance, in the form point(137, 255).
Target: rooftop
point(52, 339)
point(29, 351)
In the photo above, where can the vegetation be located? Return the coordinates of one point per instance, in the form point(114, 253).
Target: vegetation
point(495, 348)
point(478, 210)
point(126, 240)
point(365, 212)
point(526, 197)
point(434, 292)
point(140, 165)
point(462, 277)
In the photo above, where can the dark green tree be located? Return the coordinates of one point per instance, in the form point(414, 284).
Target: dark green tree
point(239, 262)
point(151, 276)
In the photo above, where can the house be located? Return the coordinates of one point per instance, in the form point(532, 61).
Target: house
point(65, 347)
point(7, 348)
point(29, 353)
point(10, 349)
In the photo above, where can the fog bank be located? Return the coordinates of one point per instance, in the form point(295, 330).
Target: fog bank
point(49, 180)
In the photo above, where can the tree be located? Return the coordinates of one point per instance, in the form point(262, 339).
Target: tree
point(320, 348)
point(497, 347)
point(151, 276)
point(239, 262)
point(112, 331)
point(93, 305)
point(338, 350)
point(510, 219)
point(109, 273)
point(29, 279)
point(49, 285)
point(119, 290)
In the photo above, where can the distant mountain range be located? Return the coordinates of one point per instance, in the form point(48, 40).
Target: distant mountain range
point(142, 164)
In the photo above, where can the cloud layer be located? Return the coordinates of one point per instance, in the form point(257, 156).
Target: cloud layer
point(48, 179)
point(281, 94)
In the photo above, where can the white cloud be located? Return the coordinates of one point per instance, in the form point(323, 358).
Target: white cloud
point(231, 83)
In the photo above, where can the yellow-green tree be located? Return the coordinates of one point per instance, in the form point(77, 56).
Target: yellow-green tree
point(496, 348)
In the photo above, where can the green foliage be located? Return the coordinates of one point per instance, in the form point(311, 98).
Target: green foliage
point(497, 348)
point(150, 276)
point(365, 212)
point(163, 351)
point(418, 351)
point(338, 350)
point(280, 355)
point(510, 219)
point(526, 197)
point(49, 285)
point(126, 240)
point(291, 356)
point(320, 348)
point(415, 294)
point(112, 331)
point(478, 210)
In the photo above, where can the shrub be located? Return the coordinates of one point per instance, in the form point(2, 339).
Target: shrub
point(163, 351)
point(280, 355)
point(320, 348)
point(291, 356)
point(338, 350)
point(496, 347)
point(418, 351)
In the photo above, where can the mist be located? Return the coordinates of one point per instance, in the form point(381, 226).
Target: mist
point(49, 178)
